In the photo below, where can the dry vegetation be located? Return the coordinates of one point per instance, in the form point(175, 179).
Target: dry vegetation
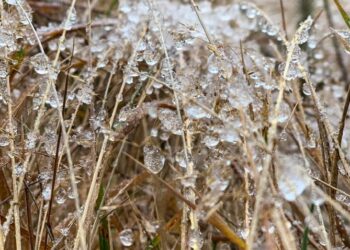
point(170, 125)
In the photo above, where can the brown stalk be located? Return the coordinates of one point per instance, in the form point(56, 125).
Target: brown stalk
point(55, 168)
point(283, 19)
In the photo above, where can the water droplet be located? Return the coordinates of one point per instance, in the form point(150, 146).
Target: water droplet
point(126, 237)
point(153, 158)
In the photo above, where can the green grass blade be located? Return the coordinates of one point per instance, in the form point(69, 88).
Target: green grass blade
point(343, 13)
point(103, 235)
point(305, 240)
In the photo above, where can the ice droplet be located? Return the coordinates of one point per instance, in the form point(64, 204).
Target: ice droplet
point(196, 112)
point(3, 68)
point(316, 198)
point(61, 195)
point(126, 112)
point(7, 38)
point(4, 140)
point(303, 31)
point(31, 140)
point(180, 158)
point(154, 132)
point(211, 141)
point(85, 94)
point(229, 134)
point(213, 66)
point(293, 70)
point(64, 231)
point(126, 237)
point(24, 13)
point(40, 63)
point(71, 18)
point(344, 37)
point(153, 158)
point(170, 121)
point(293, 179)
point(223, 246)
point(19, 170)
point(195, 239)
point(46, 193)
point(151, 57)
point(71, 193)
point(13, 2)
point(306, 89)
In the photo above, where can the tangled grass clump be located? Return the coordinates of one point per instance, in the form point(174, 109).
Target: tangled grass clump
point(174, 125)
